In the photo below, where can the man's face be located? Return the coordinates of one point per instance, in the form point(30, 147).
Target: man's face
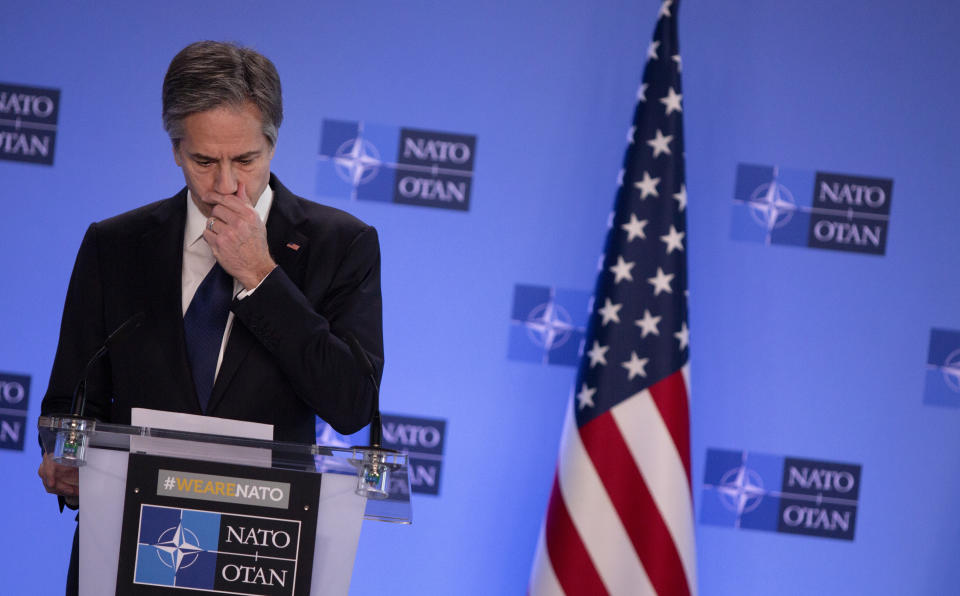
point(220, 149)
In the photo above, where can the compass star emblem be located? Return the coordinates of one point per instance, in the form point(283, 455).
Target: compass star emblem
point(178, 547)
point(951, 371)
point(357, 161)
point(772, 205)
point(741, 490)
point(549, 325)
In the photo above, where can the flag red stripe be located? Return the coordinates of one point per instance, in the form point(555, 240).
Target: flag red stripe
point(568, 556)
point(634, 504)
point(670, 397)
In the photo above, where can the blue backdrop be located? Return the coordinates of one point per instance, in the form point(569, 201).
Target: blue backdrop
point(817, 354)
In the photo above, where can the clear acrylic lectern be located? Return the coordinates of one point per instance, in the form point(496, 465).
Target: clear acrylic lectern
point(355, 484)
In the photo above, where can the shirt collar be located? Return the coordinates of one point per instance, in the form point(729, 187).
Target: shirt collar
point(196, 222)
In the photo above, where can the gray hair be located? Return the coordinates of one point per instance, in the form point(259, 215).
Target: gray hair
point(211, 74)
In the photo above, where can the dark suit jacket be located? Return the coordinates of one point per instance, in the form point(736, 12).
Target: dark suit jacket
point(284, 360)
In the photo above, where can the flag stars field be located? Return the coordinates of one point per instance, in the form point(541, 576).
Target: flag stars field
point(649, 324)
point(621, 270)
point(683, 336)
point(671, 101)
point(635, 228)
point(647, 186)
point(598, 354)
point(660, 143)
point(585, 397)
point(636, 366)
point(661, 282)
point(610, 312)
point(673, 239)
point(681, 196)
point(652, 50)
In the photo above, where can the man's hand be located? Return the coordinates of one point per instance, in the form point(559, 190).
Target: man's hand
point(239, 239)
point(59, 479)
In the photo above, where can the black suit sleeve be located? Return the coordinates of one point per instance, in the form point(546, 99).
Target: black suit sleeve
point(303, 328)
point(81, 335)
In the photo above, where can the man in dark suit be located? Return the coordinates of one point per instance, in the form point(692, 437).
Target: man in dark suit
point(249, 291)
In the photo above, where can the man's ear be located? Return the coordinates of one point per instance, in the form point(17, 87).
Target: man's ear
point(176, 155)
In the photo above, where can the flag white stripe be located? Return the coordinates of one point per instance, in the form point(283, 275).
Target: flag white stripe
point(595, 518)
point(543, 581)
point(652, 447)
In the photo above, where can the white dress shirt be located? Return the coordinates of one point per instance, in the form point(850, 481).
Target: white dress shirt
point(198, 259)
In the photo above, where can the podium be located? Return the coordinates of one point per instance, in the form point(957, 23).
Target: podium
point(162, 509)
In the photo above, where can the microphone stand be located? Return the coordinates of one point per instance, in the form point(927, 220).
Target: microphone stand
point(373, 474)
point(70, 448)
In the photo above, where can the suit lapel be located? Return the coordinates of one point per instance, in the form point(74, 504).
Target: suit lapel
point(161, 252)
point(286, 244)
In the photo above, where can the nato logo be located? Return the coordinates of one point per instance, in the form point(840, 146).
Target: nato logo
point(422, 439)
point(774, 205)
point(14, 398)
point(214, 552)
point(28, 123)
point(370, 162)
point(943, 369)
point(177, 547)
point(789, 495)
point(548, 325)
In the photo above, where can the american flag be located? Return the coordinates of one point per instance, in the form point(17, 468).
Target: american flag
point(620, 516)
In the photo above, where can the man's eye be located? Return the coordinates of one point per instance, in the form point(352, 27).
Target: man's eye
point(203, 163)
point(244, 162)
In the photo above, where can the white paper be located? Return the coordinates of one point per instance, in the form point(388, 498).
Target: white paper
point(200, 424)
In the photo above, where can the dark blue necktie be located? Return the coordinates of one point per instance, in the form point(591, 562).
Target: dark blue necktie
point(203, 326)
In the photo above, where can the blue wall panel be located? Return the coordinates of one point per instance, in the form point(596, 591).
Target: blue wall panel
point(801, 352)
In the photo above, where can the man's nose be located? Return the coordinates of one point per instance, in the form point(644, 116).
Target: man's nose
point(226, 182)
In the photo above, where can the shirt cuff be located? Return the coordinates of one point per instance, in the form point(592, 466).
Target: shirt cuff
point(244, 293)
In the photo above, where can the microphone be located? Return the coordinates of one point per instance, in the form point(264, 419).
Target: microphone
point(361, 358)
point(119, 335)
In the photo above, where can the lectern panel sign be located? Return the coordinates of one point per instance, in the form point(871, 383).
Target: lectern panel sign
point(218, 528)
